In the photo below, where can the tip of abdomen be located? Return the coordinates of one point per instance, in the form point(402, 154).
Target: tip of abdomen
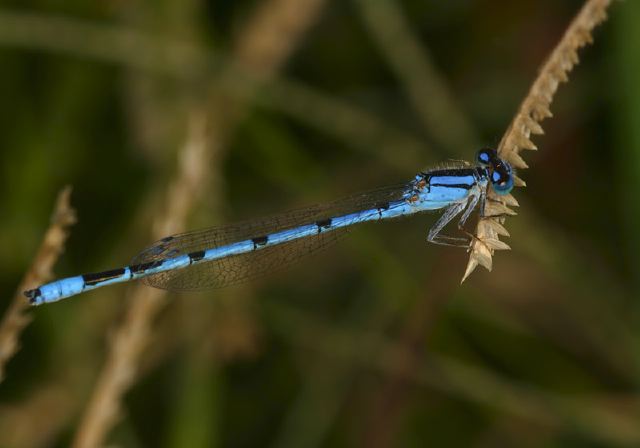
point(33, 295)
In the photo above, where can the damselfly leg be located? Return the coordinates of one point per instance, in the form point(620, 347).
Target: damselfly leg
point(450, 213)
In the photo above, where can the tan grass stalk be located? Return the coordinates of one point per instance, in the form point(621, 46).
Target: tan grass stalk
point(267, 41)
point(133, 334)
point(534, 108)
point(273, 33)
point(15, 318)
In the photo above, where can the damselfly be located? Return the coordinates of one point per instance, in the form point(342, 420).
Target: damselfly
point(222, 256)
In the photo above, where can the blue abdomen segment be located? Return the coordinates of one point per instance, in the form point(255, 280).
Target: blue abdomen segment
point(56, 290)
point(67, 287)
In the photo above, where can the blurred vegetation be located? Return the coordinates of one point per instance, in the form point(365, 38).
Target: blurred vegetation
point(373, 342)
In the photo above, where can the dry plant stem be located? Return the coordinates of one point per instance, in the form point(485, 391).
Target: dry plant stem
point(133, 334)
point(15, 318)
point(535, 108)
point(273, 33)
point(268, 40)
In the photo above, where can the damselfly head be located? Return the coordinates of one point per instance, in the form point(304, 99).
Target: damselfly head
point(500, 171)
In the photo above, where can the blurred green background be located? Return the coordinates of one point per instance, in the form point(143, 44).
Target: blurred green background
point(373, 342)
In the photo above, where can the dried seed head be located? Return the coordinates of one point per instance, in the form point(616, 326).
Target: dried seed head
point(533, 109)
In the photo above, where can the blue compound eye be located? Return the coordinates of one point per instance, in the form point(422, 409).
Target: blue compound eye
point(502, 178)
point(486, 155)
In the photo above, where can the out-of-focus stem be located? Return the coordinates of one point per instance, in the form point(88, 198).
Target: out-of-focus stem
point(267, 40)
point(15, 318)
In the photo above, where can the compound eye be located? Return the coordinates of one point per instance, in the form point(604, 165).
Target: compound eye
point(502, 179)
point(485, 156)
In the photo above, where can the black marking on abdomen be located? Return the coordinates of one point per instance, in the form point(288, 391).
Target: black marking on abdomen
point(137, 268)
point(259, 241)
point(92, 279)
point(381, 206)
point(451, 172)
point(463, 186)
point(324, 224)
point(166, 239)
point(196, 256)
